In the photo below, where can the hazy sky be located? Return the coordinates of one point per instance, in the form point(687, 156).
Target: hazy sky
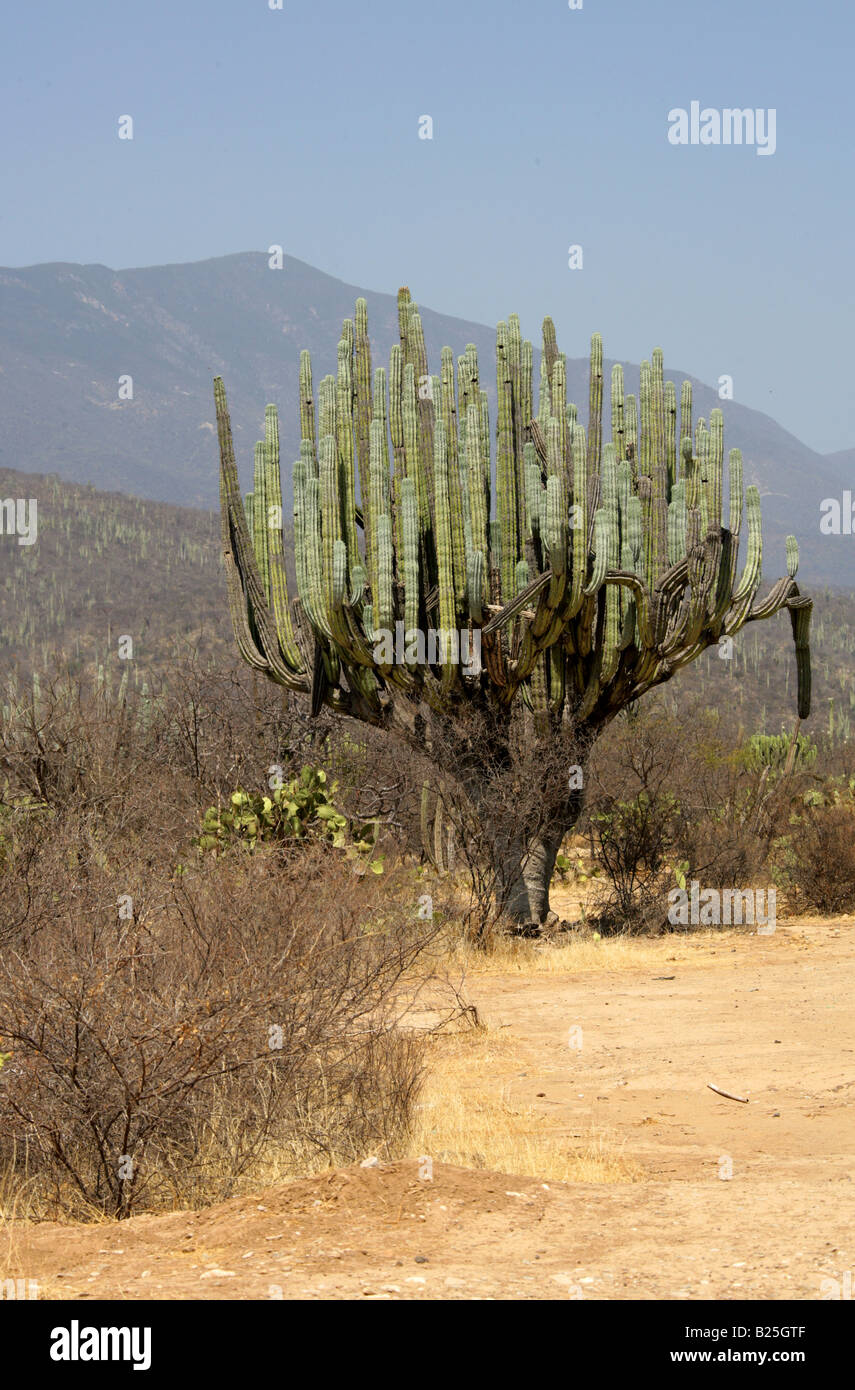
point(300, 126)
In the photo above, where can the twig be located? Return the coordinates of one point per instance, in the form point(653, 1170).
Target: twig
point(728, 1094)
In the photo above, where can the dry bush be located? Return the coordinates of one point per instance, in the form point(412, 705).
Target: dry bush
point(242, 1006)
point(74, 744)
point(629, 841)
point(80, 743)
point(734, 810)
point(224, 728)
point(631, 814)
point(178, 1023)
point(822, 860)
point(377, 777)
point(668, 791)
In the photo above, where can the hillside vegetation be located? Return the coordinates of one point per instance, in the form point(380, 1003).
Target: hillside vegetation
point(107, 565)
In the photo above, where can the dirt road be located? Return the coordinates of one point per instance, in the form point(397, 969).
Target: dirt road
point(733, 1200)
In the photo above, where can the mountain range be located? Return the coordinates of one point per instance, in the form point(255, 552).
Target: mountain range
point(69, 332)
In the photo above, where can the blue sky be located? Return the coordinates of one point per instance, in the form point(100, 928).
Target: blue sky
point(299, 126)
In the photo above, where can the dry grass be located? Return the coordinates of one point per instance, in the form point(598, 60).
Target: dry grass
point(586, 954)
point(466, 1116)
point(15, 1208)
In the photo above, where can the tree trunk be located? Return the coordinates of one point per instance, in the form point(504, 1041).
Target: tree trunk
point(511, 803)
point(527, 902)
point(527, 877)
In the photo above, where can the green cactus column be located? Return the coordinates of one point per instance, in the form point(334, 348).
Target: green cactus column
point(589, 570)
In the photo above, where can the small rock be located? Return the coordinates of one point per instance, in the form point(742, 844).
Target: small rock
point(216, 1274)
point(421, 1259)
point(370, 1163)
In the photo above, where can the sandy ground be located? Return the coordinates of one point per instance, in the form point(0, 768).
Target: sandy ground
point(731, 1200)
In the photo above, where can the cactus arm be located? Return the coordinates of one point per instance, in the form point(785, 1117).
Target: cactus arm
point(276, 558)
point(595, 405)
point(605, 569)
point(362, 392)
point(506, 468)
point(445, 554)
point(251, 620)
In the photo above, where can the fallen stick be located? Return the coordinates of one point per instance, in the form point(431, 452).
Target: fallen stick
point(728, 1094)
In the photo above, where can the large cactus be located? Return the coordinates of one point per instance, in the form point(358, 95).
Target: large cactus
point(597, 571)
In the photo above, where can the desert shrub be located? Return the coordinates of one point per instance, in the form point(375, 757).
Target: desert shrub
point(632, 808)
point(141, 981)
point(68, 742)
point(677, 796)
point(630, 842)
point(729, 811)
point(170, 1037)
point(72, 749)
point(818, 858)
point(224, 728)
point(378, 779)
point(72, 740)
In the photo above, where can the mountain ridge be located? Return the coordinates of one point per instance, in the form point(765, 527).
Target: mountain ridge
point(69, 331)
